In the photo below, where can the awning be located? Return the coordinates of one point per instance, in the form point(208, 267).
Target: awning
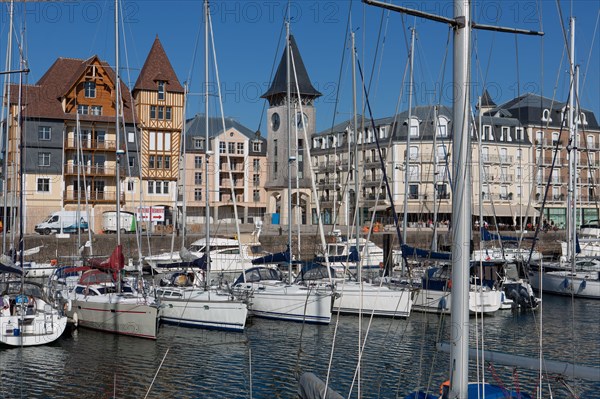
point(379, 207)
point(506, 210)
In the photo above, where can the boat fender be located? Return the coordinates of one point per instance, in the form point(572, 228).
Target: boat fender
point(445, 388)
point(565, 283)
point(75, 320)
point(53, 262)
point(582, 285)
point(450, 284)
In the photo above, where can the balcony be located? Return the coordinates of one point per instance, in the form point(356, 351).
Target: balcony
point(237, 168)
point(90, 170)
point(92, 197)
point(501, 159)
point(103, 145)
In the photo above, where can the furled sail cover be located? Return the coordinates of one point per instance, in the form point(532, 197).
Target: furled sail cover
point(353, 256)
point(116, 261)
point(278, 257)
point(408, 251)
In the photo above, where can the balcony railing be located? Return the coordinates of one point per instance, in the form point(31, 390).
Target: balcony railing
point(93, 196)
point(502, 159)
point(90, 170)
point(105, 145)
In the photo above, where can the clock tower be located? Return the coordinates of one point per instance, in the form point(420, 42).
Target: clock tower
point(285, 132)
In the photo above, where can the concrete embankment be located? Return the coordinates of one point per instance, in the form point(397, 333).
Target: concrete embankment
point(272, 240)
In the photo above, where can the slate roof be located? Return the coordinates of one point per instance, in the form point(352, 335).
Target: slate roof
point(279, 84)
point(157, 67)
point(528, 109)
point(44, 99)
point(194, 128)
point(486, 100)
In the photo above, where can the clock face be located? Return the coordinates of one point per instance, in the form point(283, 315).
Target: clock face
point(301, 120)
point(275, 121)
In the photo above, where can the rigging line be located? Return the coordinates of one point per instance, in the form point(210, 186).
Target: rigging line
point(156, 374)
point(262, 112)
point(590, 53)
point(377, 41)
point(229, 164)
point(385, 178)
point(138, 158)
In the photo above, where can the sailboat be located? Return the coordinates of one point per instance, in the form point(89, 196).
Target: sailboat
point(101, 299)
point(270, 294)
point(27, 316)
point(458, 385)
point(193, 302)
point(579, 272)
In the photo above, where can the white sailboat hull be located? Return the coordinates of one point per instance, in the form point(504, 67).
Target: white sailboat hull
point(434, 301)
point(281, 301)
point(118, 314)
point(30, 330)
point(578, 284)
point(355, 297)
point(199, 308)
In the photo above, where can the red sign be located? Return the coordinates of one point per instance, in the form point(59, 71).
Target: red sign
point(151, 213)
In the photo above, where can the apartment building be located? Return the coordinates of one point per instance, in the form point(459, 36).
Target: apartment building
point(71, 151)
point(69, 143)
point(231, 168)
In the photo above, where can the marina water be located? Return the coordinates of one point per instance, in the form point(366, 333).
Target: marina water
point(263, 361)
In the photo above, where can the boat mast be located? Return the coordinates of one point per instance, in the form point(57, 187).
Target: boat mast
point(206, 145)
point(6, 138)
point(408, 131)
point(289, 147)
point(117, 127)
point(572, 151)
point(461, 202)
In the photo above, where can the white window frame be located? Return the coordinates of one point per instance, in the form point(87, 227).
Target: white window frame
point(42, 180)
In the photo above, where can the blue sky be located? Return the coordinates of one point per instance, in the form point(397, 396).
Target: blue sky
point(248, 42)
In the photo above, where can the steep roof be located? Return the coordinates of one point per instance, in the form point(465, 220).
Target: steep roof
point(194, 127)
point(157, 67)
point(43, 100)
point(486, 100)
point(279, 84)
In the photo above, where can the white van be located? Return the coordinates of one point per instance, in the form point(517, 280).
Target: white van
point(67, 221)
point(127, 223)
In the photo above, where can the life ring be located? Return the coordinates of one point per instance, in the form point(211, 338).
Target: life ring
point(53, 262)
point(450, 283)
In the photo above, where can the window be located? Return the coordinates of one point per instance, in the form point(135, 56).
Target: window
point(519, 173)
point(151, 161)
point(231, 148)
point(256, 146)
point(414, 153)
point(519, 133)
point(153, 112)
point(161, 112)
point(555, 138)
point(44, 133)
point(222, 148)
point(159, 162)
point(131, 162)
point(546, 116)
point(43, 185)
point(413, 173)
point(90, 89)
point(131, 137)
point(503, 155)
point(256, 195)
point(96, 110)
point(158, 187)
point(240, 148)
point(519, 154)
point(130, 185)
point(82, 109)
point(167, 162)
point(44, 159)
point(414, 128)
point(199, 144)
point(275, 167)
point(256, 180)
point(161, 89)
point(198, 178)
point(256, 165)
point(413, 191)
point(168, 112)
point(487, 133)
point(197, 194)
point(197, 162)
point(275, 147)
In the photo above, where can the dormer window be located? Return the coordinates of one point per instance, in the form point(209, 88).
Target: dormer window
point(519, 133)
point(82, 109)
point(256, 146)
point(442, 127)
point(161, 89)
point(90, 89)
point(546, 116)
point(199, 143)
point(582, 120)
point(487, 132)
point(414, 127)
